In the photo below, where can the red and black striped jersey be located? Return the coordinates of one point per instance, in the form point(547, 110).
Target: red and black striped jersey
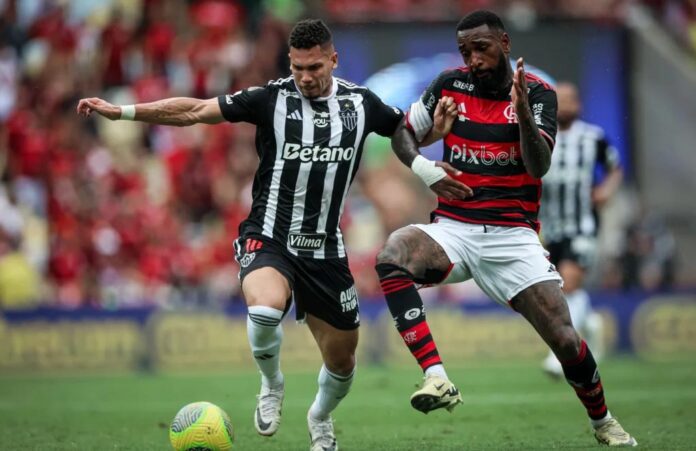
point(484, 144)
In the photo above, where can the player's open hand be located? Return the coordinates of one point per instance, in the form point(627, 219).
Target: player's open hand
point(443, 118)
point(449, 187)
point(94, 104)
point(518, 92)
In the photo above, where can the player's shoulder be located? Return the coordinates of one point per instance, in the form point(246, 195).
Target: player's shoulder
point(589, 129)
point(346, 87)
point(281, 83)
point(461, 73)
point(535, 82)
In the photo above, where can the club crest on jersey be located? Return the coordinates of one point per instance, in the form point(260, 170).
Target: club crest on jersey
point(321, 119)
point(510, 114)
point(349, 118)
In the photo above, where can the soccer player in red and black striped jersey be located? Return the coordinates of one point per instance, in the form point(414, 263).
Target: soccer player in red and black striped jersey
point(498, 126)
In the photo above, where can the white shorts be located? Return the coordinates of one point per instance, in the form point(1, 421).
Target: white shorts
point(502, 260)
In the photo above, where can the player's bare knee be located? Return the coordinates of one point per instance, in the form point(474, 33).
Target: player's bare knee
point(265, 297)
point(341, 365)
point(390, 252)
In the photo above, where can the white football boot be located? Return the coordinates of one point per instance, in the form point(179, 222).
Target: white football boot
point(321, 434)
point(268, 408)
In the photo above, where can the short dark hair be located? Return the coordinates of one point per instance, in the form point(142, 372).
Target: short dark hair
point(481, 17)
point(309, 33)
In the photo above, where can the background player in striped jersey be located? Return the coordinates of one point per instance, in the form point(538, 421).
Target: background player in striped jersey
point(310, 132)
point(572, 193)
point(501, 141)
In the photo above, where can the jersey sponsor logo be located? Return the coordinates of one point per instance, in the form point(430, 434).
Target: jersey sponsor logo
point(470, 155)
point(321, 119)
point(537, 108)
point(510, 114)
point(412, 313)
point(349, 299)
point(306, 241)
point(463, 86)
point(292, 151)
point(431, 102)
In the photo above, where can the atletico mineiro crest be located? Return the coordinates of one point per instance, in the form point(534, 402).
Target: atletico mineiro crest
point(349, 117)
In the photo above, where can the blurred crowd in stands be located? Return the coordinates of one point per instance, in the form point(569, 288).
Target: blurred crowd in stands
point(119, 214)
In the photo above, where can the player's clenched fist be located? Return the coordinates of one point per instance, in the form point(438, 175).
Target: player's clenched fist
point(94, 104)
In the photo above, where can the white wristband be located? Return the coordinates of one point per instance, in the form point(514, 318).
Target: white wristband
point(427, 171)
point(127, 113)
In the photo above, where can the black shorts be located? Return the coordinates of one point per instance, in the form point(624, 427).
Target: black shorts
point(580, 250)
point(323, 288)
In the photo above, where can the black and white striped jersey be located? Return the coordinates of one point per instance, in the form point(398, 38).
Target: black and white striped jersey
point(309, 151)
point(580, 154)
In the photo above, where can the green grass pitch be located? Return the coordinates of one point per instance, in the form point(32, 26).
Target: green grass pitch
point(506, 406)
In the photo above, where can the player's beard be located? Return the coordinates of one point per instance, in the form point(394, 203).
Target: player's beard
point(496, 80)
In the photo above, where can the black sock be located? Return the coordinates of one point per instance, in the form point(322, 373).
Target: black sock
point(406, 307)
point(582, 374)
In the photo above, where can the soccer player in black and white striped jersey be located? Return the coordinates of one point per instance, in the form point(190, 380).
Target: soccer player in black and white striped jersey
point(310, 132)
point(570, 198)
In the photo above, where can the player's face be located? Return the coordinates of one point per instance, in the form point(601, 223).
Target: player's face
point(312, 69)
point(568, 103)
point(486, 52)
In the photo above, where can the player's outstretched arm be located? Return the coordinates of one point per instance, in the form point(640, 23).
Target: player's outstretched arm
point(438, 175)
point(179, 111)
point(536, 153)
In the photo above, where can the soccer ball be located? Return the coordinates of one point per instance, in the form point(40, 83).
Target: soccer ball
point(201, 426)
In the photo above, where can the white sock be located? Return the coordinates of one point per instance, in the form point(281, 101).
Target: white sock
point(265, 336)
point(332, 389)
point(438, 370)
point(598, 423)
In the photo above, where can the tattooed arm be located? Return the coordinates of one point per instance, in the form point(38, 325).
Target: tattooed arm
point(536, 152)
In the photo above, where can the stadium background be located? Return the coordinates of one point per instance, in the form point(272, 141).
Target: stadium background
point(115, 237)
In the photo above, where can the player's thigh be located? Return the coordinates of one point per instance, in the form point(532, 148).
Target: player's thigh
point(326, 290)
point(337, 346)
point(418, 252)
point(544, 306)
point(510, 260)
point(265, 272)
point(266, 286)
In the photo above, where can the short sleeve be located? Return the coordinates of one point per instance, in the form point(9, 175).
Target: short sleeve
point(420, 116)
point(247, 105)
point(542, 101)
point(383, 118)
point(607, 155)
